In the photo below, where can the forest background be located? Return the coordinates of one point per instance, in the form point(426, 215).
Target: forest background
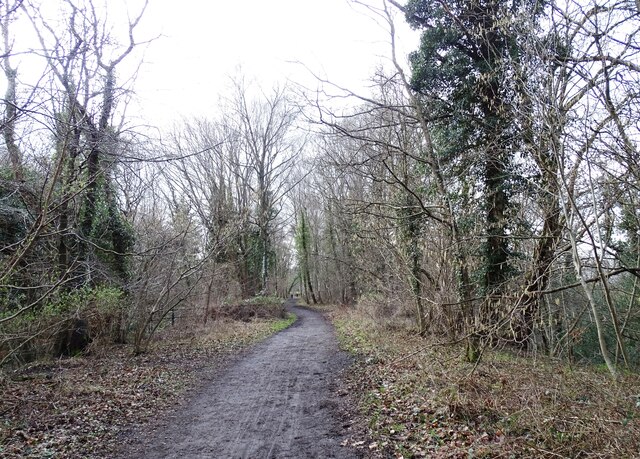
point(486, 193)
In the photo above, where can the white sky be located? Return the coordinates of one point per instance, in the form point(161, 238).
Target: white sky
point(205, 41)
point(202, 43)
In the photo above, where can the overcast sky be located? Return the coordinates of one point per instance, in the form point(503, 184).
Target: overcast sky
point(200, 44)
point(203, 42)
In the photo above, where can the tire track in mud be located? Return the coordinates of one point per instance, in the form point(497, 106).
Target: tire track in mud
point(278, 401)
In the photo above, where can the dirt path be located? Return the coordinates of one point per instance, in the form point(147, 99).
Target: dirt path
point(278, 401)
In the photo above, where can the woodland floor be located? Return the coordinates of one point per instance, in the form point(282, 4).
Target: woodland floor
point(198, 396)
point(87, 407)
point(419, 398)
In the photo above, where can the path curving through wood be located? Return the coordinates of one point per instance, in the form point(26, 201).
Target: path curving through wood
point(277, 401)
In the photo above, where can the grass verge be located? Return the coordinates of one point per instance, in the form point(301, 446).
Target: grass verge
point(80, 407)
point(281, 324)
point(420, 399)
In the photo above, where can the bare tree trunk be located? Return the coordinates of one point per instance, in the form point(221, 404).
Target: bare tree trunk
point(594, 310)
point(10, 101)
point(207, 303)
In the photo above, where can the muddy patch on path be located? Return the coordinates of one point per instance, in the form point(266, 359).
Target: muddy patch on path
point(278, 401)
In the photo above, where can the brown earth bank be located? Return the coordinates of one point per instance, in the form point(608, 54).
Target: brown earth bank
point(280, 400)
point(83, 407)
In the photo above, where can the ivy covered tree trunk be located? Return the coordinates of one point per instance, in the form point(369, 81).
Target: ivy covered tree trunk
point(410, 221)
point(464, 69)
point(491, 50)
point(303, 236)
point(68, 136)
point(11, 110)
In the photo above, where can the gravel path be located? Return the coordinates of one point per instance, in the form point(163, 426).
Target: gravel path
point(278, 401)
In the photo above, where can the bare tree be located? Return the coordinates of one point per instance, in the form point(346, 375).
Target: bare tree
point(264, 126)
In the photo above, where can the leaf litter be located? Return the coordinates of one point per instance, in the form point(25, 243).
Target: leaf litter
point(83, 407)
point(418, 398)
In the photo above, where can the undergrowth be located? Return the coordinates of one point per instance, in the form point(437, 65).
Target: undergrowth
point(420, 399)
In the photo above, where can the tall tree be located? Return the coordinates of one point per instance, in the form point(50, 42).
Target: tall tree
point(465, 68)
point(303, 248)
point(264, 125)
point(11, 107)
point(86, 73)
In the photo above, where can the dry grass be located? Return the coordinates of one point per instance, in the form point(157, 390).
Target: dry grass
point(422, 400)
